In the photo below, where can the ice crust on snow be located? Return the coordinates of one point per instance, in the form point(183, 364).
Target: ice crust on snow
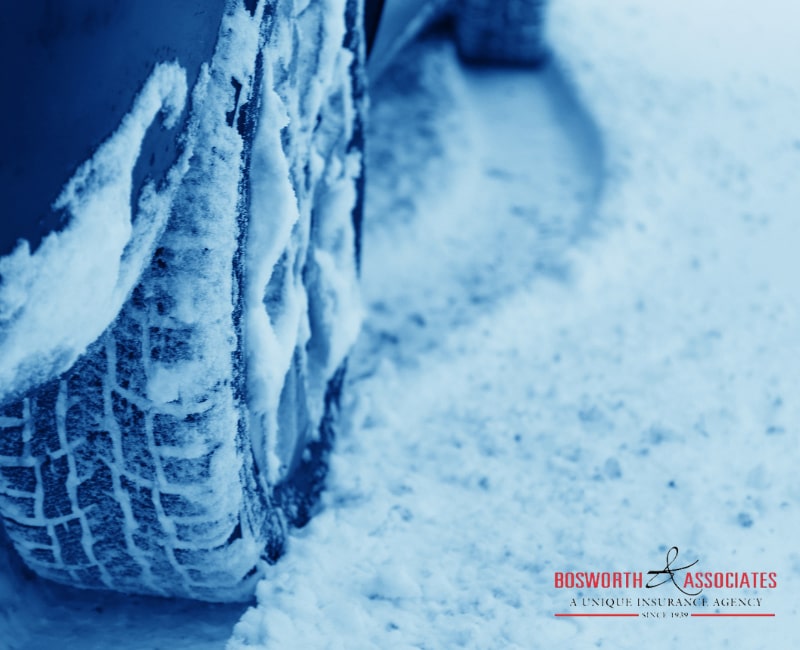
point(80, 277)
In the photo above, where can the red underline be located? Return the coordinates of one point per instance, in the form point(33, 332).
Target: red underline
point(713, 615)
point(636, 615)
point(595, 615)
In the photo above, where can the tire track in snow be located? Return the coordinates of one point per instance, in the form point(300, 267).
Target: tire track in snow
point(477, 190)
point(481, 181)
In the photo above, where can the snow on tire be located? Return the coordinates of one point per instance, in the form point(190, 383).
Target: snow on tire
point(172, 456)
point(507, 32)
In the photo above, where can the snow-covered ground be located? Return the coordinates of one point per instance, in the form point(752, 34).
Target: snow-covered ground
point(581, 348)
point(552, 379)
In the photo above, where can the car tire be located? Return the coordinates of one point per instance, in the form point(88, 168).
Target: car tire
point(171, 458)
point(508, 32)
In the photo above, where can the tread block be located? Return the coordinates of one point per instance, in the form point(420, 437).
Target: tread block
point(167, 574)
point(141, 499)
point(137, 301)
point(69, 536)
point(29, 534)
point(85, 383)
point(187, 471)
point(97, 451)
point(177, 505)
point(18, 478)
point(97, 490)
point(84, 416)
point(45, 555)
point(164, 302)
point(171, 345)
point(108, 526)
point(86, 408)
point(144, 540)
point(169, 431)
point(128, 346)
point(138, 461)
point(11, 442)
point(44, 420)
point(115, 558)
point(163, 259)
point(128, 415)
point(17, 507)
point(54, 481)
point(206, 532)
point(190, 557)
point(14, 409)
point(90, 576)
point(136, 455)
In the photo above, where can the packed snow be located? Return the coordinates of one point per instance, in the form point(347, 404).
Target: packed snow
point(293, 232)
point(579, 349)
point(82, 276)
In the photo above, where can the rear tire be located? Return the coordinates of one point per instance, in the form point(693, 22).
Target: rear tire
point(143, 468)
point(505, 32)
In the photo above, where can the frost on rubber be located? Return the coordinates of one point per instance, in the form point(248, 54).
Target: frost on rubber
point(171, 457)
point(505, 32)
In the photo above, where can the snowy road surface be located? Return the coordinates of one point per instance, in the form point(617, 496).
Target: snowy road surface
point(581, 348)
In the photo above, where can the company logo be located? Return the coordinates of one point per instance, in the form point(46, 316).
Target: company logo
point(682, 577)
